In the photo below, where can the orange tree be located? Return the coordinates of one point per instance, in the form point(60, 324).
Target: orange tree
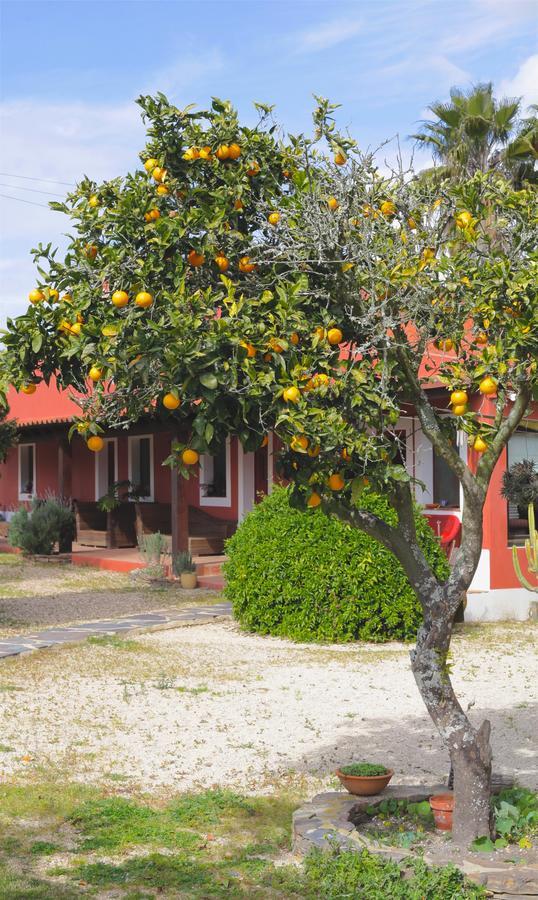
point(243, 283)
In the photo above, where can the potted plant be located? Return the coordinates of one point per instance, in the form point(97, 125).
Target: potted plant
point(442, 806)
point(364, 779)
point(520, 486)
point(185, 568)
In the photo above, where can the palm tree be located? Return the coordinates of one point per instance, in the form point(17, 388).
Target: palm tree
point(475, 132)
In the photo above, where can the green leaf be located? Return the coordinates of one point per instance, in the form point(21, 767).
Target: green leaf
point(37, 342)
point(500, 843)
point(483, 844)
point(209, 380)
point(209, 432)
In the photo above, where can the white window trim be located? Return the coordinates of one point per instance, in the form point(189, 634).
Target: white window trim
point(107, 441)
point(137, 437)
point(217, 501)
point(22, 495)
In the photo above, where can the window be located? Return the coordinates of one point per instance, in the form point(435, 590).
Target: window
point(215, 478)
point(106, 468)
point(522, 445)
point(26, 471)
point(446, 487)
point(141, 466)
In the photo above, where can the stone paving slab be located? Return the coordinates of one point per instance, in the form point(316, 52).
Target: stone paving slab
point(132, 624)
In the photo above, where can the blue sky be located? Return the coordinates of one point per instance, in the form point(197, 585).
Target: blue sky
point(71, 70)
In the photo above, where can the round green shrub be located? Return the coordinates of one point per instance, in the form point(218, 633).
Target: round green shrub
point(309, 577)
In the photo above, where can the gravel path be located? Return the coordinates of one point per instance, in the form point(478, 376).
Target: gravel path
point(213, 706)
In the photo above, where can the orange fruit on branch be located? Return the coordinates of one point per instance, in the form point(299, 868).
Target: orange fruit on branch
point(299, 442)
point(36, 296)
point(488, 386)
point(95, 443)
point(314, 500)
point(339, 158)
point(29, 388)
point(120, 298)
point(223, 152)
point(245, 265)
point(291, 394)
point(334, 336)
point(273, 218)
point(457, 398)
point(480, 445)
point(234, 152)
point(460, 409)
point(388, 208)
point(253, 168)
point(158, 173)
point(95, 373)
point(170, 401)
point(336, 482)
point(144, 300)
point(333, 203)
point(222, 262)
point(190, 457)
point(251, 350)
point(150, 164)
point(195, 259)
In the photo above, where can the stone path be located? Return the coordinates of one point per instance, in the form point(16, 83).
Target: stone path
point(124, 625)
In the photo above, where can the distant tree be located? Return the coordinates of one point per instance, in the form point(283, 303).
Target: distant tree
point(8, 433)
point(474, 132)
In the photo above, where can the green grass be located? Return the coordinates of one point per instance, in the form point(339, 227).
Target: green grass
point(65, 841)
point(11, 559)
point(116, 642)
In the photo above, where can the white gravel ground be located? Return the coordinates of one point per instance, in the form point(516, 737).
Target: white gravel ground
point(209, 705)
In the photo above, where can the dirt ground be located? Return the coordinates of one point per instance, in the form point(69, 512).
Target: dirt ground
point(196, 707)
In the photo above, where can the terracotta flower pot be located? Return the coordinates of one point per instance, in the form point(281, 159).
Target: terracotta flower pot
point(365, 785)
point(189, 580)
point(443, 810)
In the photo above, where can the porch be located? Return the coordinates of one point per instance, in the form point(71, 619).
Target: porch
point(127, 559)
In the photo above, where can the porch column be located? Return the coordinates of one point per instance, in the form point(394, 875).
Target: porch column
point(179, 512)
point(64, 468)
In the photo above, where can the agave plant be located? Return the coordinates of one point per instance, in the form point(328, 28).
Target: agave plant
point(531, 552)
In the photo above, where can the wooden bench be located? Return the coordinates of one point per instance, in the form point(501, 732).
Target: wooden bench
point(97, 528)
point(207, 534)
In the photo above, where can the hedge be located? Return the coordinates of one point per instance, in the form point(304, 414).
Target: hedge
point(309, 577)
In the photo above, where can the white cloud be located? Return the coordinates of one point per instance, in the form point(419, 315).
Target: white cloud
point(58, 143)
point(327, 34)
point(183, 72)
point(524, 83)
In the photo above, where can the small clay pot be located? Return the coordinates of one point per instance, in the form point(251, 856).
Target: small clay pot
point(442, 806)
point(189, 580)
point(365, 785)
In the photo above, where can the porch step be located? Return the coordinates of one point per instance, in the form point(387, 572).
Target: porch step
point(210, 565)
point(211, 582)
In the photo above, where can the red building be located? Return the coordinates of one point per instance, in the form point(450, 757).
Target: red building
point(224, 488)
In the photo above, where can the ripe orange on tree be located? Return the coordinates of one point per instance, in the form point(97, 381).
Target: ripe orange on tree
point(238, 205)
point(253, 168)
point(460, 409)
point(93, 201)
point(120, 298)
point(29, 388)
point(223, 152)
point(336, 482)
point(234, 152)
point(250, 348)
point(488, 386)
point(245, 265)
point(459, 397)
point(273, 218)
point(170, 401)
point(223, 263)
point(158, 173)
point(95, 443)
point(151, 164)
point(190, 457)
point(314, 500)
point(90, 251)
point(144, 300)
point(388, 208)
point(333, 203)
point(339, 158)
point(314, 451)
point(36, 296)
point(299, 442)
point(291, 394)
point(195, 259)
point(294, 338)
point(480, 445)
point(334, 336)
point(95, 373)
point(162, 190)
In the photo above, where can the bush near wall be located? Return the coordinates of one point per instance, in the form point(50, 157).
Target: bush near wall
point(310, 577)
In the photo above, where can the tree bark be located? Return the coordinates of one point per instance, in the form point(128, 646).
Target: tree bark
point(469, 748)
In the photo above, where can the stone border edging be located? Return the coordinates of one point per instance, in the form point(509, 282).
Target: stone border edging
point(131, 625)
point(326, 821)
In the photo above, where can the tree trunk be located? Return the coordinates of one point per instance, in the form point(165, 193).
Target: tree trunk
point(469, 749)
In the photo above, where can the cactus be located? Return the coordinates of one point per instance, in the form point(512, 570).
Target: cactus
point(531, 551)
